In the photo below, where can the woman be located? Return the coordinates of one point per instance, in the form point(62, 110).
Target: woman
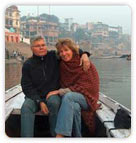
point(80, 92)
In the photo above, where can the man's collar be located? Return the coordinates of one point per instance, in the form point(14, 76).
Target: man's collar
point(39, 57)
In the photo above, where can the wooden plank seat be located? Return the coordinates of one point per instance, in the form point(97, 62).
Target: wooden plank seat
point(13, 106)
point(107, 114)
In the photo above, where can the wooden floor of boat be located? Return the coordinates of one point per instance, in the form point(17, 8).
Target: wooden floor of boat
point(13, 126)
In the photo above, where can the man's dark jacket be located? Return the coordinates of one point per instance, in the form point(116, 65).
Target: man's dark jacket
point(40, 75)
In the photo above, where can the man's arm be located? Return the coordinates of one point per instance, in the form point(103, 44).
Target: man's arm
point(27, 86)
point(84, 60)
point(81, 52)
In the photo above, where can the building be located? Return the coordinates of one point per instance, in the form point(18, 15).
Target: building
point(115, 32)
point(100, 29)
point(11, 37)
point(117, 29)
point(89, 26)
point(74, 27)
point(68, 23)
point(33, 27)
point(106, 31)
point(12, 18)
point(100, 33)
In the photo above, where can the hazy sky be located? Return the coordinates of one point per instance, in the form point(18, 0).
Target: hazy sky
point(112, 15)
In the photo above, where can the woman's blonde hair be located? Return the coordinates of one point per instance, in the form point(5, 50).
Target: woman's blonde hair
point(68, 42)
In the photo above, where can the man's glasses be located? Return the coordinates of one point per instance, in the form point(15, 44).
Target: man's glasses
point(38, 46)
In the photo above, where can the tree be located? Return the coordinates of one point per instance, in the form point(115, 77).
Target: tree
point(51, 18)
point(80, 34)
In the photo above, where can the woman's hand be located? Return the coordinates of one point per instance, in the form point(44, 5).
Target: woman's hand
point(84, 61)
point(55, 92)
point(44, 108)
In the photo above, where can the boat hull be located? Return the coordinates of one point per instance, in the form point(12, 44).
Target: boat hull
point(42, 129)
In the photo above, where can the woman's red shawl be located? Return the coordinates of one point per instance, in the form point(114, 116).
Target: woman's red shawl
point(87, 83)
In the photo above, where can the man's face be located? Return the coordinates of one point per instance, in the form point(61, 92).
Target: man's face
point(39, 48)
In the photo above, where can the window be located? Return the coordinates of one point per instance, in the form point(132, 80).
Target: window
point(7, 38)
point(10, 22)
point(17, 39)
point(12, 39)
point(17, 22)
point(6, 21)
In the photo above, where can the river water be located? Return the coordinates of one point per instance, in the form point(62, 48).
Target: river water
point(115, 78)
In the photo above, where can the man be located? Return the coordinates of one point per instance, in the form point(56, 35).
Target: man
point(40, 76)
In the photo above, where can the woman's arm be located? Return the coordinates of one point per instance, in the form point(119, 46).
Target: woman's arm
point(63, 91)
point(60, 92)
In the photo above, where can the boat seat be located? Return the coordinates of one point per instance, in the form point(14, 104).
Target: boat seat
point(18, 112)
point(14, 105)
point(106, 116)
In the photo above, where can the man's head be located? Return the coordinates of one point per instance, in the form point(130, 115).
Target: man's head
point(38, 46)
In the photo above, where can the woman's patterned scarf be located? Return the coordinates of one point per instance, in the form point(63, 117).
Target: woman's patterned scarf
point(87, 83)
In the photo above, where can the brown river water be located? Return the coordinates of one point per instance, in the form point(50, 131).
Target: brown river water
point(115, 78)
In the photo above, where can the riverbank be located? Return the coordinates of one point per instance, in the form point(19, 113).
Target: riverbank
point(105, 57)
point(20, 49)
point(12, 61)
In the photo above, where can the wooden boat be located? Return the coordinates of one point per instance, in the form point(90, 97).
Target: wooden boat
point(14, 99)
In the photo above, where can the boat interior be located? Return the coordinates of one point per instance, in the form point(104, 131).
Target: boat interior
point(104, 117)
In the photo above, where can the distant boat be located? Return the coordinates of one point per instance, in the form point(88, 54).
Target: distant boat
point(129, 57)
point(124, 56)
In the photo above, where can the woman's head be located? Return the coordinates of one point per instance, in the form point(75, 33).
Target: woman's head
point(66, 49)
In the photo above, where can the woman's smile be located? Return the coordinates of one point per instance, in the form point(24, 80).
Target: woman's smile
point(66, 53)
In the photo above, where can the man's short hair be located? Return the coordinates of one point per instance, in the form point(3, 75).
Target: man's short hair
point(33, 39)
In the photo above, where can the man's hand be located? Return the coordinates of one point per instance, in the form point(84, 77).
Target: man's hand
point(84, 61)
point(55, 92)
point(44, 108)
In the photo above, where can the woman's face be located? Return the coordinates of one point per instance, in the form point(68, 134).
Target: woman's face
point(66, 53)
